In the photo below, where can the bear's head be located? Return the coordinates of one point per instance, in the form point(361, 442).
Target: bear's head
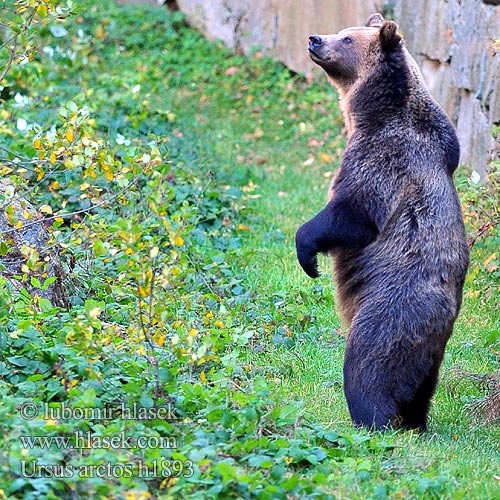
point(350, 54)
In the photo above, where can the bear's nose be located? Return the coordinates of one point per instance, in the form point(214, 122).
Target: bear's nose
point(315, 41)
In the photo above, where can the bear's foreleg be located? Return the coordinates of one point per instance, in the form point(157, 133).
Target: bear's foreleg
point(341, 224)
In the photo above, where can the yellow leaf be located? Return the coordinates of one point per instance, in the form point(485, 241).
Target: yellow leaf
point(41, 10)
point(109, 175)
point(70, 136)
point(325, 157)
point(178, 241)
point(137, 495)
point(69, 164)
point(53, 158)
point(489, 259)
point(46, 209)
point(203, 377)
point(161, 340)
point(95, 312)
point(37, 144)
point(99, 32)
point(40, 174)
point(219, 324)
point(243, 227)
point(258, 133)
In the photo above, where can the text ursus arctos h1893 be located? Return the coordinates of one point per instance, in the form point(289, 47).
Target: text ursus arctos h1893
point(393, 226)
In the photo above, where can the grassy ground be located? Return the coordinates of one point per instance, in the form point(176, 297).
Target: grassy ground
point(289, 189)
point(250, 124)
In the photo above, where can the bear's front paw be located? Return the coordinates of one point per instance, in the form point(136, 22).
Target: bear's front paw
point(307, 251)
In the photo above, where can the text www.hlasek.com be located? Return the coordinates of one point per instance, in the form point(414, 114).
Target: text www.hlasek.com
point(86, 440)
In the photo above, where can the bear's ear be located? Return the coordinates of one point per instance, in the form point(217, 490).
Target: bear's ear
point(389, 36)
point(375, 21)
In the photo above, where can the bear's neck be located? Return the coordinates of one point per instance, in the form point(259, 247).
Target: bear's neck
point(388, 93)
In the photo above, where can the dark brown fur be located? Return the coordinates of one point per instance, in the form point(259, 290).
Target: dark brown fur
point(393, 226)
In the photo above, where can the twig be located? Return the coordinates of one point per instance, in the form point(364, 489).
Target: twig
point(484, 229)
point(153, 360)
point(15, 40)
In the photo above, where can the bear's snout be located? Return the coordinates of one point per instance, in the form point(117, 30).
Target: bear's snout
point(315, 41)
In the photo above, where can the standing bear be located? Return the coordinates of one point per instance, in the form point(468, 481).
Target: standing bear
point(393, 226)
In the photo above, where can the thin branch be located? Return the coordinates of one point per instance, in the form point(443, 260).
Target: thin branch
point(483, 230)
point(15, 41)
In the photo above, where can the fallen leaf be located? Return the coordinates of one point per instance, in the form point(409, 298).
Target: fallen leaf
point(308, 162)
point(232, 70)
point(314, 142)
point(326, 158)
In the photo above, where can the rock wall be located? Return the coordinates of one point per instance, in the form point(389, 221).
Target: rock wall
point(452, 41)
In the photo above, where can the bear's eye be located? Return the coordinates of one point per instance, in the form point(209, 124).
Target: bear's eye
point(347, 39)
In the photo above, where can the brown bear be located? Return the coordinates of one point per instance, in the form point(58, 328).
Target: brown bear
point(393, 226)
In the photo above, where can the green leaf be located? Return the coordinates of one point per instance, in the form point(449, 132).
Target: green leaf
point(20, 361)
point(44, 304)
point(35, 282)
point(227, 471)
point(88, 398)
point(146, 401)
point(291, 483)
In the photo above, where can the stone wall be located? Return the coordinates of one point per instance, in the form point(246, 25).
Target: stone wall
point(452, 40)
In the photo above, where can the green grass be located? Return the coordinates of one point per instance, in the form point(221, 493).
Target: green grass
point(289, 193)
point(276, 141)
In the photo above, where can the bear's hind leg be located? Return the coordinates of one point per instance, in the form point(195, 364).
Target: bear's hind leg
point(369, 405)
point(414, 414)
point(373, 412)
